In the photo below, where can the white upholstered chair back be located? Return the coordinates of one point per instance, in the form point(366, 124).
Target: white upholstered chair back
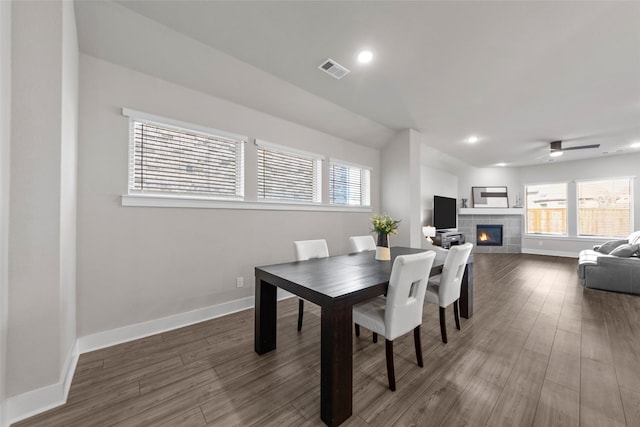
point(405, 295)
point(362, 243)
point(452, 272)
point(309, 249)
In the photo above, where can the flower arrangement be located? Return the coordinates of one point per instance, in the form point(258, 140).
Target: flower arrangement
point(384, 224)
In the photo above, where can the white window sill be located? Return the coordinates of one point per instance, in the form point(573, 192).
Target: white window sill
point(595, 239)
point(161, 201)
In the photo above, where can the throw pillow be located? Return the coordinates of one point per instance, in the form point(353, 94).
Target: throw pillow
point(625, 251)
point(634, 238)
point(607, 247)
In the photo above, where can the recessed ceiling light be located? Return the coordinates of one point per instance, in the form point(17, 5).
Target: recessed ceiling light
point(501, 164)
point(556, 153)
point(365, 56)
point(472, 139)
point(635, 145)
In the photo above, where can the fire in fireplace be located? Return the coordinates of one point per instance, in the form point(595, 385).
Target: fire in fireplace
point(489, 234)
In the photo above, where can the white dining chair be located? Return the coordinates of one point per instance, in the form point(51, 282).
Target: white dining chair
point(401, 310)
point(305, 250)
point(444, 289)
point(362, 243)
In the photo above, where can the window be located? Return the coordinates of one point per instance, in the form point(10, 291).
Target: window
point(604, 207)
point(349, 184)
point(546, 209)
point(288, 175)
point(169, 159)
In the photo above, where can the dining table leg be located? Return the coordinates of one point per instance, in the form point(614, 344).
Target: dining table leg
point(466, 292)
point(336, 368)
point(265, 316)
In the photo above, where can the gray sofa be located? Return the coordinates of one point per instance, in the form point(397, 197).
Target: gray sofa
point(607, 271)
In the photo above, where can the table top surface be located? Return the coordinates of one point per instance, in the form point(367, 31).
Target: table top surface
point(340, 276)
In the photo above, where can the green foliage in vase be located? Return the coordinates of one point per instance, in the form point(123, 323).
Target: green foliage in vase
point(384, 224)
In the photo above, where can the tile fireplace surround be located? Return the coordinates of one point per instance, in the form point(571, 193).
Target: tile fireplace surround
point(510, 218)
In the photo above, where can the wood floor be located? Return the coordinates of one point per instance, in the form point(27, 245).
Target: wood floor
point(539, 351)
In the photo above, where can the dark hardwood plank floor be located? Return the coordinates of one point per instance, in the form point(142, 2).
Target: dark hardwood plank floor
point(539, 351)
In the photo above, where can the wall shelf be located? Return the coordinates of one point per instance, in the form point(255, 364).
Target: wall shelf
point(491, 211)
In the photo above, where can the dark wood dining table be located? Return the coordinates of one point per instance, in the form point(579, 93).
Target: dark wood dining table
point(335, 284)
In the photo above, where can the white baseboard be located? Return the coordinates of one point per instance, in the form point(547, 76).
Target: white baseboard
point(549, 253)
point(140, 330)
point(33, 402)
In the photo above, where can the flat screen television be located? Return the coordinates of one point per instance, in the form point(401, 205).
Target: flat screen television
point(444, 212)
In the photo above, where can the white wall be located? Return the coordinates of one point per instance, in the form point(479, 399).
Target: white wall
point(5, 142)
point(485, 177)
point(605, 167)
point(136, 264)
point(435, 182)
point(41, 323)
point(68, 181)
point(400, 186)
point(439, 175)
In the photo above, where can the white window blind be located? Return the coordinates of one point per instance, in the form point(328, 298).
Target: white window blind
point(288, 175)
point(349, 184)
point(604, 207)
point(169, 159)
point(547, 209)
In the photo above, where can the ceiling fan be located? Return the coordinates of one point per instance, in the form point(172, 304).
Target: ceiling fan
point(556, 149)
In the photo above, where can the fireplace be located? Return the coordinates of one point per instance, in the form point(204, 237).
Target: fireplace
point(489, 234)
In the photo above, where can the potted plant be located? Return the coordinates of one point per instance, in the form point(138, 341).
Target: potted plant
point(384, 225)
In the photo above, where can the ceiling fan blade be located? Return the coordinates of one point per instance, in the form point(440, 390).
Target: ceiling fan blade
point(581, 147)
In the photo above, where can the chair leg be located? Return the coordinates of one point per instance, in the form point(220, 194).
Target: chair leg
point(416, 339)
point(375, 337)
point(300, 311)
point(456, 313)
point(357, 329)
point(443, 326)
point(390, 370)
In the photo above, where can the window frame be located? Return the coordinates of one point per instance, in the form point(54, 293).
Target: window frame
point(188, 128)
point(192, 200)
point(317, 172)
point(631, 206)
point(365, 177)
point(526, 209)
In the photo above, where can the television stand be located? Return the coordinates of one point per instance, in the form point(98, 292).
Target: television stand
point(446, 239)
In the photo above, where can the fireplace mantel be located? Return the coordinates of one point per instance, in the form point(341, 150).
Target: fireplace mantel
point(491, 211)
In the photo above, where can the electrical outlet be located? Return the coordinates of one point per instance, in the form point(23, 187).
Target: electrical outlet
point(239, 282)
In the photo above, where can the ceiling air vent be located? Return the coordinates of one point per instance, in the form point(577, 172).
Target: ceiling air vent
point(334, 69)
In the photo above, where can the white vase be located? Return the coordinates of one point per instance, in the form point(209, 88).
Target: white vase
point(383, 253)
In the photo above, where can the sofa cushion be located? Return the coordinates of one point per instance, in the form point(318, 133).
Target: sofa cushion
point(607, 247)
point(625, 251)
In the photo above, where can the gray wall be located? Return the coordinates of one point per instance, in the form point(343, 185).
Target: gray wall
point(42, 195)
point(142, 263)
point(5, 153)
